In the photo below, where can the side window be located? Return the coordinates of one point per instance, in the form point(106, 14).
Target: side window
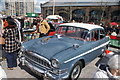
point(95, 35)
point(102, 34)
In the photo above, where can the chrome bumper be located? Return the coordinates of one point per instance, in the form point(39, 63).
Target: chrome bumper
point(45, 73)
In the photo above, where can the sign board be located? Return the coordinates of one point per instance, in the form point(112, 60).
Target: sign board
point(31, 14)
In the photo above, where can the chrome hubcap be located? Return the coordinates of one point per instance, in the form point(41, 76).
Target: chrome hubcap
point(75, 72)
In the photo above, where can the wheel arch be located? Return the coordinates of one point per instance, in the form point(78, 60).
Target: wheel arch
point(83, 62)
point(76, 62)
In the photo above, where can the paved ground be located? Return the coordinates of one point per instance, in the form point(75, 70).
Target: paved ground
point(87, 72)
point(21, 73)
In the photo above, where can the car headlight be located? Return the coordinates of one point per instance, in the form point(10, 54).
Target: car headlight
point(55, 63)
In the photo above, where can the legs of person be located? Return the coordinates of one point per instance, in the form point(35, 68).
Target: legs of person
point(15, 59)
point(2, 52)
point(3, 55)
point(11, 59)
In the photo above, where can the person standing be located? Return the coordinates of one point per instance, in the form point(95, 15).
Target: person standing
point(43, 27)
point(12, 44)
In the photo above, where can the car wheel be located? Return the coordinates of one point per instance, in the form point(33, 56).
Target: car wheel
point(76, 70)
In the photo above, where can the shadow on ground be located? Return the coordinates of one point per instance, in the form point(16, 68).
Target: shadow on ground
point(30, 72)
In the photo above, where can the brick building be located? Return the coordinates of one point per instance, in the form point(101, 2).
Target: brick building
point(83, 10)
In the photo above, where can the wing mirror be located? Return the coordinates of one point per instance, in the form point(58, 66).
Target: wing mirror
point(58, 36)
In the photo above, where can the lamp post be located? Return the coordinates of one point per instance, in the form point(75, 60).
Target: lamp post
point(53, 7)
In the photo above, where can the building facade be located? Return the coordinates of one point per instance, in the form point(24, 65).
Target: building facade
point(18, 8)
point(83, 10)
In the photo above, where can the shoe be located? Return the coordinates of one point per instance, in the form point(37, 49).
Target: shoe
point(10, 68)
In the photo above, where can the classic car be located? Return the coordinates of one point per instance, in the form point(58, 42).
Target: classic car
point(63, 55)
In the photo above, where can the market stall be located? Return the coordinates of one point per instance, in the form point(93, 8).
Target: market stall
point(115, 40)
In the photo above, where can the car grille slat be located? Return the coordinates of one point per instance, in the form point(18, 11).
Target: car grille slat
point(33, 59)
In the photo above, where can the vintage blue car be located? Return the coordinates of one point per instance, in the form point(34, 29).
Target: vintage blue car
point(63, 55)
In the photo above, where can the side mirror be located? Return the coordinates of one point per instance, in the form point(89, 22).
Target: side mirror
point(58, 36)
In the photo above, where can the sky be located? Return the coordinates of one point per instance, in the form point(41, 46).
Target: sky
point(37, 5)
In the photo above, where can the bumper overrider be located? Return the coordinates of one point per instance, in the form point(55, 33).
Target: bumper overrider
point(46, 73)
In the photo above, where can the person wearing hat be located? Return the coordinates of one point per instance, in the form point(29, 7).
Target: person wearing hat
point(12, 44)
point(43, 27)
point(111, 70)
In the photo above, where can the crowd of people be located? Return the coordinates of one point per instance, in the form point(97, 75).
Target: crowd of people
point(11, 33)
point(112, 29)
point(11, 41)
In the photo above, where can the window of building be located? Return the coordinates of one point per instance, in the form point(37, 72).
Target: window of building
point(49, 12)
point(64, 15)
point(95, 15)
point(78, 15)
point(115, 16)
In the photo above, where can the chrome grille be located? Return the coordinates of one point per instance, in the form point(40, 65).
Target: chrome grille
point(30, 57)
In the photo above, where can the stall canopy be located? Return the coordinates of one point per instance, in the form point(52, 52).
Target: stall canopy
point(32, 14)
point(113, 23)
point(54, 17)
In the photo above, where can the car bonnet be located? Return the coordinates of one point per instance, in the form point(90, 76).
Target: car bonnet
point(48, 47)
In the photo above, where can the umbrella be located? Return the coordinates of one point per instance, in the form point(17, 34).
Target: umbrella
point(54, 17)
point(113, 23)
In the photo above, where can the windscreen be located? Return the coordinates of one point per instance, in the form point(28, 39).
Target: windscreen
point(73, 32)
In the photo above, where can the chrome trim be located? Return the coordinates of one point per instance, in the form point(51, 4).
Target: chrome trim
point(37, 63)
point(56, 60)
point(46, 73)
point(86, 52)
point(39, 71)
point(37, 56)
point(41, 57)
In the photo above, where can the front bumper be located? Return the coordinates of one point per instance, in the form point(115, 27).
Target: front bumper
point(47, 74)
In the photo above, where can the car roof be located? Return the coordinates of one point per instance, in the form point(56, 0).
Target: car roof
point(83, 25)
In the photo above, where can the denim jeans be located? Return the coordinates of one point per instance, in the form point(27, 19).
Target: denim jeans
point(11, 59)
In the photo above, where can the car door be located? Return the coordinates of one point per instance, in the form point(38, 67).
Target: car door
point(93, 52)
point(97, 43)
point(103, 40)
point(94, 46)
